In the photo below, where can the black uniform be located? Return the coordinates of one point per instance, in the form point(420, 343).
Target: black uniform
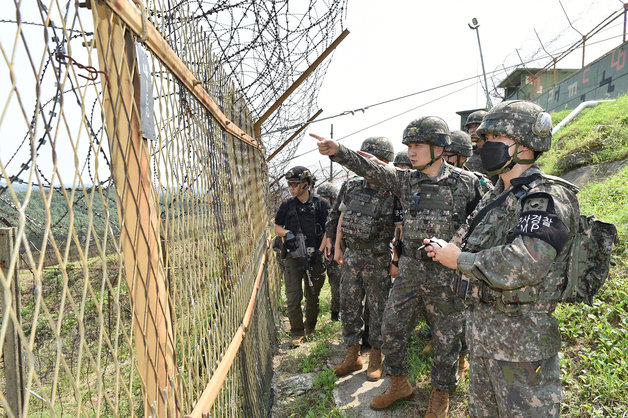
point(308, 219)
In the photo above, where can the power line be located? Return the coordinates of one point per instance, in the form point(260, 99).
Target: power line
point(392, 117)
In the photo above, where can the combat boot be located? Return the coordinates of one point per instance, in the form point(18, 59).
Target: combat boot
point(296, 340)
point(374, 371)
point(438, 405)
point(351, 363)
point(398, 389)
point(463, 366)
point(429, 347)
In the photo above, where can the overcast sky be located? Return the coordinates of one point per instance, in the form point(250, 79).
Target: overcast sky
point(398, 48)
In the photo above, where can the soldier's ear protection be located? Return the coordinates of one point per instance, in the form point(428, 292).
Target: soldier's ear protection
point(542, 125)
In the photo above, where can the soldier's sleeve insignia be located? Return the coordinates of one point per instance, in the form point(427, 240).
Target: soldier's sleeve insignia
point(537, 202)
point(539, 220)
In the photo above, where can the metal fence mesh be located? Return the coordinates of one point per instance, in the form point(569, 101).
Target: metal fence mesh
point(138, 235)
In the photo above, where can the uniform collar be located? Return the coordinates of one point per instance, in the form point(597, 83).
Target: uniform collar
point(444, 172)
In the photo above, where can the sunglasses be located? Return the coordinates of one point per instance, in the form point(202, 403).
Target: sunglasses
point(292, 184)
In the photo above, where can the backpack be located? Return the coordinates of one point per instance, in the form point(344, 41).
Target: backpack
point(589, 259)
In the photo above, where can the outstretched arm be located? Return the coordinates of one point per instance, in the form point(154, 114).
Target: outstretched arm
point(363, 164)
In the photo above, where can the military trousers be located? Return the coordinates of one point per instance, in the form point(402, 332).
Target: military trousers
point(500, 388)
point(424, 283)
point(296, 286)
point(333, 276)
point(364, 275)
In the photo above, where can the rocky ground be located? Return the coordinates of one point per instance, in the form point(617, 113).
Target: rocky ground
point(294, 394)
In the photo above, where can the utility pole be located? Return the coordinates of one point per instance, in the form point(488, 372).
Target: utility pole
point(474, 25)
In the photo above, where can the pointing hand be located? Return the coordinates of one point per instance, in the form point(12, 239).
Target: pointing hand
point(326, 146)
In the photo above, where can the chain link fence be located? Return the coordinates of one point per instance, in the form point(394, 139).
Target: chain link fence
point(135, 270)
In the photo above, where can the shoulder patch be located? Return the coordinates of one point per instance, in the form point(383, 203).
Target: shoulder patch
point(539, 220)
point(536, 203)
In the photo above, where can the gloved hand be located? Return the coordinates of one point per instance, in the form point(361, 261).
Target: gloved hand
point(291, 241)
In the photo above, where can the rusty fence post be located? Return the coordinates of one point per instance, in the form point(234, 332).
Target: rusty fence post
point(10, 303)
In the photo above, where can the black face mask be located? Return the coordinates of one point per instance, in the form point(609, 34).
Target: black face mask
point(494, 155)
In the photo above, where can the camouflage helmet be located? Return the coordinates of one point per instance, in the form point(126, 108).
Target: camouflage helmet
point(402, 158)
point(427, 130)
point(524, 122)
point(379, 146)
point(301, 174)
point(327, 190)
point(475, 118)
point(460, 144)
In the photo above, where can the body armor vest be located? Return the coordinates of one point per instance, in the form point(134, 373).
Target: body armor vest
point(434, 212)
point(369, 216)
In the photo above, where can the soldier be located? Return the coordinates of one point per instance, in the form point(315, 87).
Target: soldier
point(473, 121)
point(329, 192)
point(402, 160)
point(301, 221)
point(367, 227)
point(436, 199)
point(513, 260)
point(457, 154)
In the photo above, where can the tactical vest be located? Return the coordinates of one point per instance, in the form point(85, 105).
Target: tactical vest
point(302, 218)
point(369, 216)
point(439, 212)
point(532, 297)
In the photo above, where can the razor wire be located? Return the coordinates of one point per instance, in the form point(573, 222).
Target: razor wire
point(82, 257)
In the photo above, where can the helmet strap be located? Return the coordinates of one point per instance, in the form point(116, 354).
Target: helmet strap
point(432, 160)
point(518, 160)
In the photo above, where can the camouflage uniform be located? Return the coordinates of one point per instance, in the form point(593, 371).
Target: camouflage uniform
point(462, 146)
point(333, 276)
point(367, 228)
point(474, 163)
point(431, 206)
point(333, 268)
point(514, 264)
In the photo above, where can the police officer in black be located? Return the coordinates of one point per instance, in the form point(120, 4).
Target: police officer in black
point(301, 221)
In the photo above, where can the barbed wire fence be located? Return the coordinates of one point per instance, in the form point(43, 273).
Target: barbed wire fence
point(542, 53)
point(134, 184)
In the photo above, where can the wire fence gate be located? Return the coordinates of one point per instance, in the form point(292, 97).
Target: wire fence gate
point(135, 274)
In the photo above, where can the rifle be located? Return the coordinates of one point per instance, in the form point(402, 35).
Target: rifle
point(301, 250)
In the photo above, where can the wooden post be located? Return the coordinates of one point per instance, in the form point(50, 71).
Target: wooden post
point(294, 135)
point(258, 124)
point(11, 309)
point(138, 212)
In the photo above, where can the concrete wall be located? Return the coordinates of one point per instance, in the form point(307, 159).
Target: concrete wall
point(606, 77)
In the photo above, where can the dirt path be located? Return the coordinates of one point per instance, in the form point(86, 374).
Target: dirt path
point(296, 368)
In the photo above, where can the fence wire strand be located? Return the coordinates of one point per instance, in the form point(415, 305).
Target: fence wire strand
point(135, 235)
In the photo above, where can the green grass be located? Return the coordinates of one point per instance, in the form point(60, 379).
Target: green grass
point(598, 134)
point(594, 355)
point(595, 338)
point(608, 200)
point(74, 335)
point(319, 401)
